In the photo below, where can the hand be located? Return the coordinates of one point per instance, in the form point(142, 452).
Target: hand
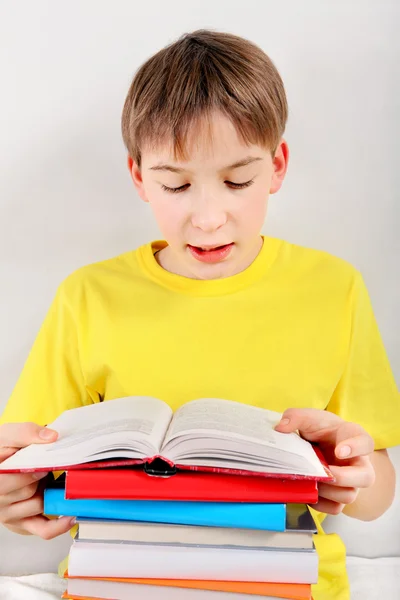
point(21, 498)
point(347, 448)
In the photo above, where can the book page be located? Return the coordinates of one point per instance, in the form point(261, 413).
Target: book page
point(133, 423)
point(235, 421)
point(224, 416)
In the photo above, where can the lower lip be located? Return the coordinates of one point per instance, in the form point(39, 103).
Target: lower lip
point(211, 256)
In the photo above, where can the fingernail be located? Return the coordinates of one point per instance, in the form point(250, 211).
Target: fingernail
point(344, 451)
point(46, 434)
point(284, 421)
point(38, 475)
point(72, 521)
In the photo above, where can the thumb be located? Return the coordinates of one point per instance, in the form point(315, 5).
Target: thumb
point(20, 435)
point(313, 424)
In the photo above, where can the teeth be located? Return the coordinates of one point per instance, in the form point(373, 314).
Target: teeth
point(210, 249)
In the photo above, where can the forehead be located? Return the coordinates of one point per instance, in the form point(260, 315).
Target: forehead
point(212, 142)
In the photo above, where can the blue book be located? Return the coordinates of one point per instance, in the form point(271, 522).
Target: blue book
point(271, 517)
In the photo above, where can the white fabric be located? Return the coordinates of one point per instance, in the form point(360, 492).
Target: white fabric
point(374, 578)
point(43, 586)
point(370, 579)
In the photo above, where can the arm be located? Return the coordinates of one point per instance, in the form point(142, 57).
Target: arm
point(367, 400)
point(364, 479)
point(372, 502)
point(52, 381)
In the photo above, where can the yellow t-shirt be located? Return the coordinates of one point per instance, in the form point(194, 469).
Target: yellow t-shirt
point(295, 329)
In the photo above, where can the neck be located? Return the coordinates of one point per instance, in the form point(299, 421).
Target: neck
point(169, 261)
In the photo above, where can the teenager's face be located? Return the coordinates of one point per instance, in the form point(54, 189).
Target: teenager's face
point(211, 208)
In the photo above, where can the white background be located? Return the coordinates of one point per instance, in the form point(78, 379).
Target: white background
point(66, 198)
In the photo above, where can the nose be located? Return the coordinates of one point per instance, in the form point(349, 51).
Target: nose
point(208, 215)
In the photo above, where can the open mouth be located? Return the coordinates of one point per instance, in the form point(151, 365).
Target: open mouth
point(208, 249)
point(210, 254)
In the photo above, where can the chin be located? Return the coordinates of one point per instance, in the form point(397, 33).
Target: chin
point(216, 271)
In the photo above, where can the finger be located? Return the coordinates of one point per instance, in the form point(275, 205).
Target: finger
point(328, 506)
point(6, 453)
point(19, 435)
point(312, 424)
point(360, 475)
point(22, 510)
point(358, 445)
point(45, 528)
point(341, 495)
point(23, 493)
point(11, 482)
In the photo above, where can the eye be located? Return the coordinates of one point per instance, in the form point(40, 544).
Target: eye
point(240, 186)
point(236, 186)
point(175, 190)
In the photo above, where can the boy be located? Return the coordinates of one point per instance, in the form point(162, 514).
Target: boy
point(216, 309)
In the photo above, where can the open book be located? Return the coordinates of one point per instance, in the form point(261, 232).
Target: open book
point(207, 434)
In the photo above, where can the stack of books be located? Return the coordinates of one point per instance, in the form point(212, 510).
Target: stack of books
point(208, 503)
point(171, 548)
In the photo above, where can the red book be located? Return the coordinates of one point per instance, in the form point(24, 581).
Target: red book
point(135, 484)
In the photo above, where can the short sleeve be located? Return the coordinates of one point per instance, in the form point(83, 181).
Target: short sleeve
point(52, 379)
point(367, 393)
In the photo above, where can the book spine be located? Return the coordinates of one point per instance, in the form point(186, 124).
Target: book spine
point(117, 484)
point(270, 517)
point(115, 560)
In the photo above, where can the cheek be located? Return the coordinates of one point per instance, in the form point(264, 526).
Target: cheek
point(252, 211)
point(168, 213)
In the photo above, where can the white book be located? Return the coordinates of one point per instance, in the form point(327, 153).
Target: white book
point(127, 591)
point(150, 533)
point(208, 432)
point(99, 559)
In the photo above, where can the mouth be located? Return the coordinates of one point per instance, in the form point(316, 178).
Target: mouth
point(210, 254)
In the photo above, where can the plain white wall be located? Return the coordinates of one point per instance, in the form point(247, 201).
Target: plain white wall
point(66, 198)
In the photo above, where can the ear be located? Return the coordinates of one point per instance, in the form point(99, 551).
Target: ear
point(136, 175)
point(280, 165)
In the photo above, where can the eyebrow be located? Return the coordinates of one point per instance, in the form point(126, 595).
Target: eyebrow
point(240, 163)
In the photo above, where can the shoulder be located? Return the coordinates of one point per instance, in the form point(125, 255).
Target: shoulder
point(317, 267)
point(101, 278)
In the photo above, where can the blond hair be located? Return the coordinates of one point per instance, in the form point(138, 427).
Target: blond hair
point(189, 79)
